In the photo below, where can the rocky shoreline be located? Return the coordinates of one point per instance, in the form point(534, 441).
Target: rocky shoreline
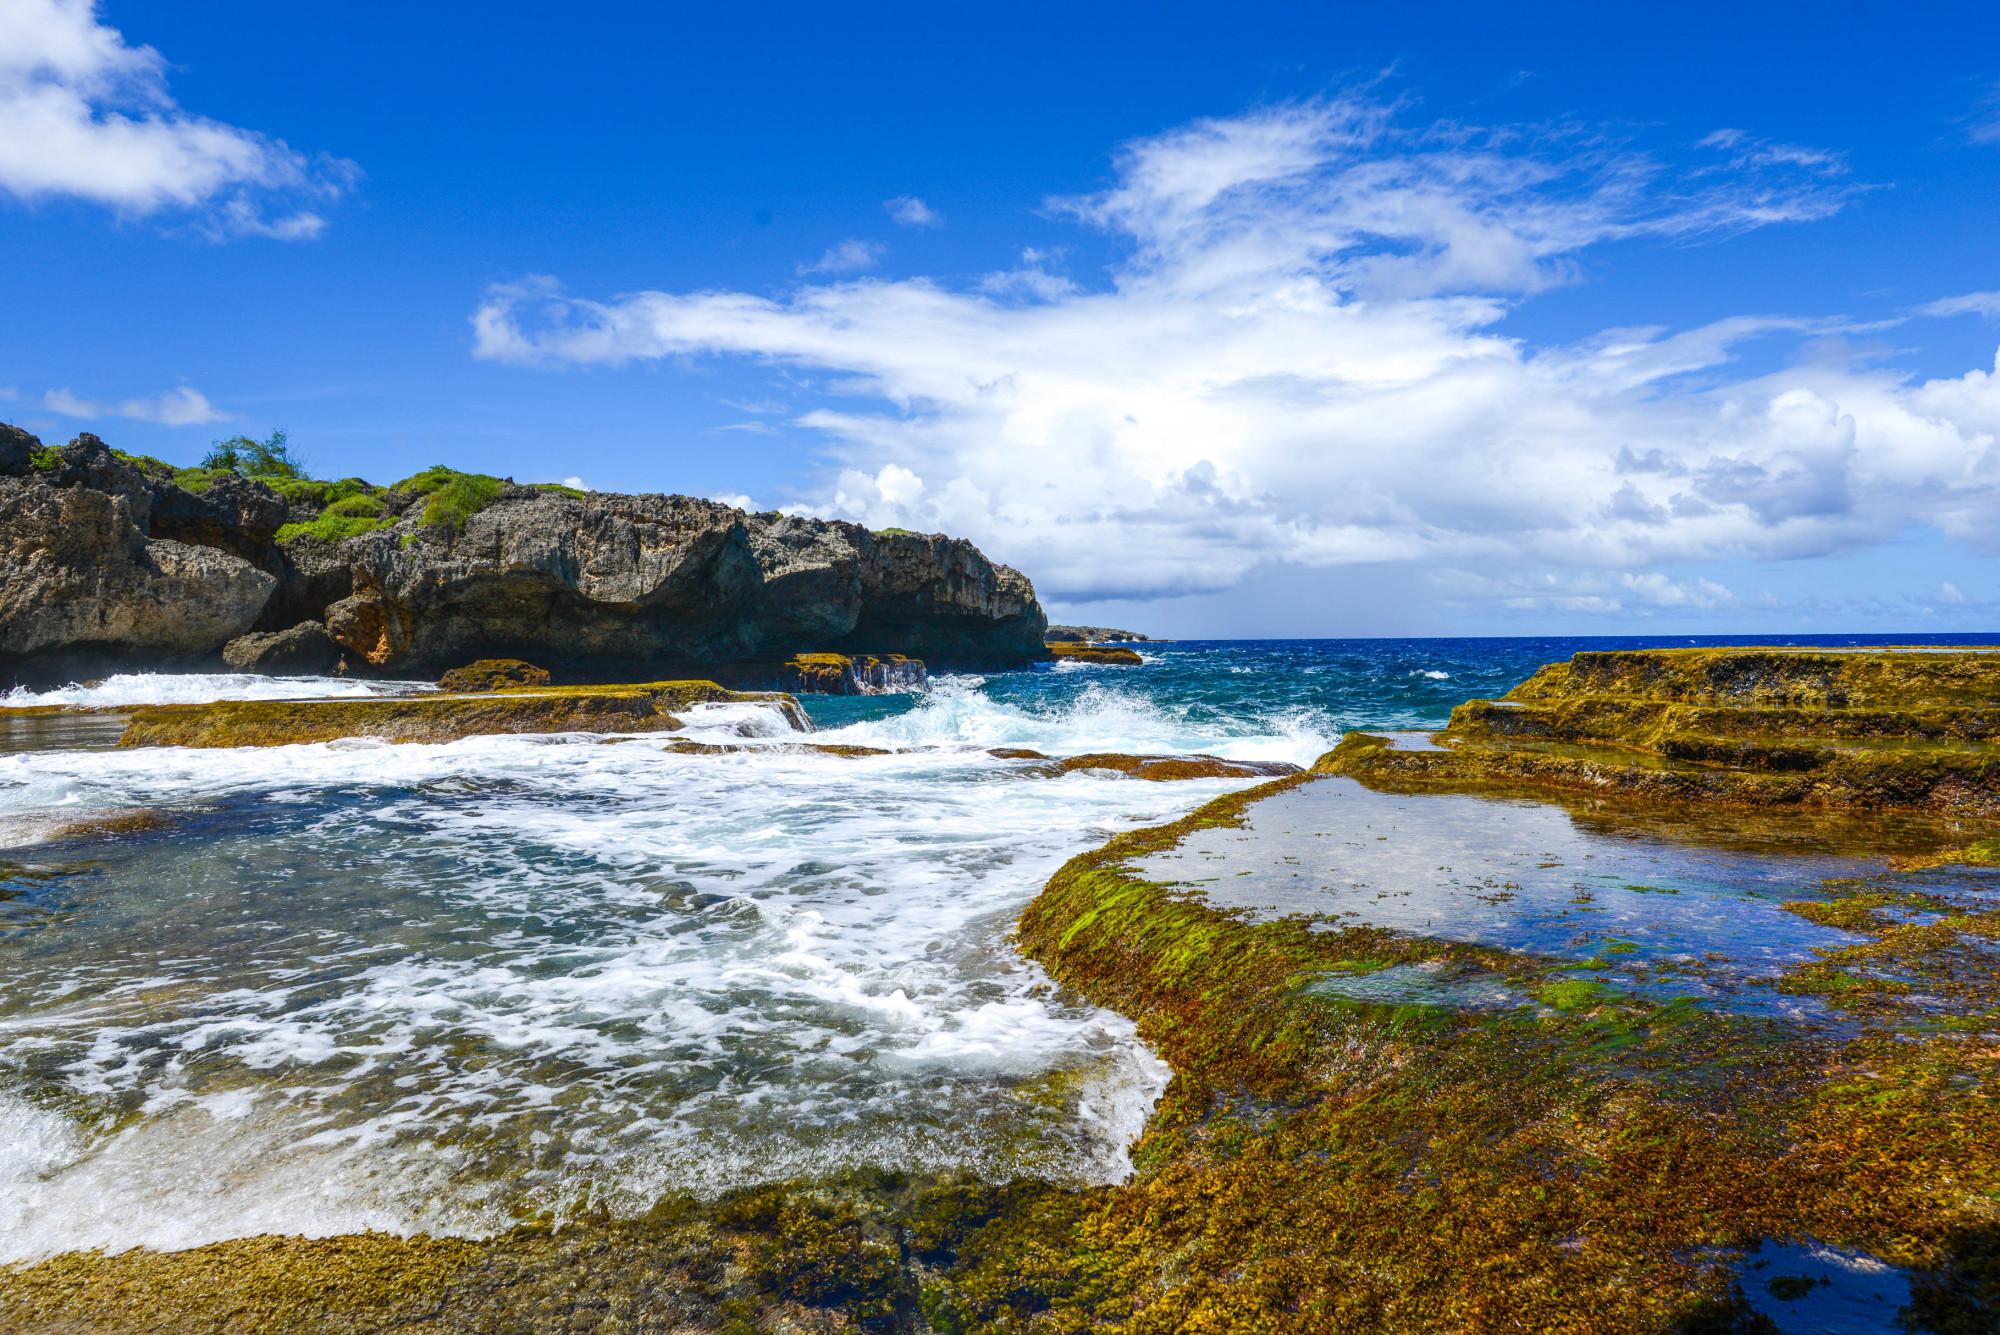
point(1337, 1153)
point(112, 561)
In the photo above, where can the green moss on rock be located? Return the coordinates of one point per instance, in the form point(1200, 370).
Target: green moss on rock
point(435, 718)
point(1110, 655)
point(493, 674)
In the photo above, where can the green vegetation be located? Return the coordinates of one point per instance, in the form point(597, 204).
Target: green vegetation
point(452, 497)
point(561, 488)
point(348, 517)
point(45, 459)
point(269, 458)
point(897, 533)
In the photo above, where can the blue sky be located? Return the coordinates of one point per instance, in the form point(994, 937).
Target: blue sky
point(1285, 319)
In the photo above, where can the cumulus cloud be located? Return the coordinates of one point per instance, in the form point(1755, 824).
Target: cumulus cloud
point(86, 115)
point(847, 257)
point(909, 211)
point(1300, 358)
point(180, 406)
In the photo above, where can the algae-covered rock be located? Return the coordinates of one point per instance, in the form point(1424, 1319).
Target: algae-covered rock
point(438, 718)
point(1095, 653)
point(493, 674)
point(1753, 727)
point(853, 674)
point(1162, 769)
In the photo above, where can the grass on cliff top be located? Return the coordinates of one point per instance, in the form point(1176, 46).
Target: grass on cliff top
point(451, 498)
point(348, 517)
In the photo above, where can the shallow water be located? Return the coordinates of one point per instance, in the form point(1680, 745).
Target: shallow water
point(1696, 919)
point(359, 985)
point(323, 988)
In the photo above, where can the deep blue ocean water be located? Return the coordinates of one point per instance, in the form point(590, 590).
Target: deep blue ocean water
point(1243, 687)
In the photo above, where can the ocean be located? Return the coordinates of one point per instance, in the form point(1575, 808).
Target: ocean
point(325, 988)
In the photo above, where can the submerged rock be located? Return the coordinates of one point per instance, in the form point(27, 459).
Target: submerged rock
point(1159, 769)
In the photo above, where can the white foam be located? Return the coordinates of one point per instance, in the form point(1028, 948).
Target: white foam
point(1102, 717)
point(169, 688)
point(362, 978)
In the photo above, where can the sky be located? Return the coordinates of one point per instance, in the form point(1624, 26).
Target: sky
point(1333, 319)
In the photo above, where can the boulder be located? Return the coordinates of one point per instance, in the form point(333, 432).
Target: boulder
point(493, 674)
point(78, 575)
point(305, 649)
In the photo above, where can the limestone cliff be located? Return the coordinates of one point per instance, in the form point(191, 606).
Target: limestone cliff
point(109, 561)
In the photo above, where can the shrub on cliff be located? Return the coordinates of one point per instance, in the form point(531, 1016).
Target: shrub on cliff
point(452, 497)
point(351, 515)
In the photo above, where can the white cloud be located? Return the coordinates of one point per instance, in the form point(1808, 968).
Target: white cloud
point(1301, 360)
point(1984, 124)
point(847, 257)
point(1970, 303)
point(85, 115)
point(180, 406)
point(1949, 594)
point(735, 500)
point(909, 211)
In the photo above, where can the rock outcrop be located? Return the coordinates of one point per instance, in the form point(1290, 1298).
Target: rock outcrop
point(644, 707)
point(304, 650)
point(606, 582)
point(83, 582)
point(853, 674)
point(1103, 655)
point(118, 561)
point(1767, 728)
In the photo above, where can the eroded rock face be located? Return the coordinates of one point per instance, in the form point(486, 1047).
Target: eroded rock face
point(107, 563)
point(305, 649)
point(80, 578)
point(612, 580)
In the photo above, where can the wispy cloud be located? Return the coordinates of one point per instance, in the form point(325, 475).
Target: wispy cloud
point(1301, 360)
point(1983, 125)
point(86, 115)
point(1969, 303)
point(909, 211)
point(180, 406)
point(847, 257)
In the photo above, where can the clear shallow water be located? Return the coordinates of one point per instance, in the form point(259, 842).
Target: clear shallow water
point(1692, 919)
point(440, 987)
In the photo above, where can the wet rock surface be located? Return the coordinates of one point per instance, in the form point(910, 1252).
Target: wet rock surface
point(1107, 655)
point(1861, 729)
point(438, 718)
